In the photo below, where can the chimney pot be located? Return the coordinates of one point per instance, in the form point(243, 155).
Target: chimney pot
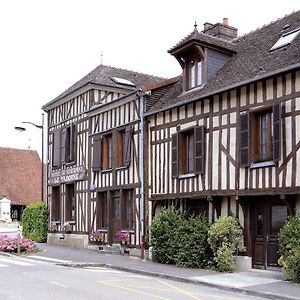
point(225, 21)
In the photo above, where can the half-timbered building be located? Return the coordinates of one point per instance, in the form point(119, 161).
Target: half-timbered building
point(94, 151)
point(224, 138)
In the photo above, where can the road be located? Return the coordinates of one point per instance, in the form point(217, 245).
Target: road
point(23, 278)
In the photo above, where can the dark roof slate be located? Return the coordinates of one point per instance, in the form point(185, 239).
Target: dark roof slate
point(252, 61)
point(20, 176)
point(102, 75)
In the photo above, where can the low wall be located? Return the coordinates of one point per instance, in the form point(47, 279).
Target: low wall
point(78, 241)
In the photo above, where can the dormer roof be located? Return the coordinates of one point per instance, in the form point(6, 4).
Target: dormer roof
point(200, 38)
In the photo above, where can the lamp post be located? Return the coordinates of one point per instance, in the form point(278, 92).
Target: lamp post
point(22, 129)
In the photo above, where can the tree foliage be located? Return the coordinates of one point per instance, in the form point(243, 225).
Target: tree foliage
point(35, 222)
point(289, 248)
point(225, 238)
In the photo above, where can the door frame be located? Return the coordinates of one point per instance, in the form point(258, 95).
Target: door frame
point(266, 238)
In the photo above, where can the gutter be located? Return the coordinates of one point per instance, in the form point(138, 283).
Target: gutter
point(235, 85)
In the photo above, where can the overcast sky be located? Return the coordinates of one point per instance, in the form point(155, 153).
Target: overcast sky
point(46, 46)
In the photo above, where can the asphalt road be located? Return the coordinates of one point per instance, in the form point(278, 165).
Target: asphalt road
point(23, 278)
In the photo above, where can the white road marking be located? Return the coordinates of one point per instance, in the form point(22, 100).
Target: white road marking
point(59, 284)
point(14, 262)
point(1, 265)
point(101, 270)
point(50, 259)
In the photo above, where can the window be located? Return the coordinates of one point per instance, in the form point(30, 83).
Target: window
point(260, 141)
point(101, 210)
point(121, 148)
point(193, 73)
point(112, 150)
point(55, 204)
point(127, 209)
point(196, 207)
point(188, 151)
point(70, 203)
point(107, 152)
point(64, 146)
point(285, 39)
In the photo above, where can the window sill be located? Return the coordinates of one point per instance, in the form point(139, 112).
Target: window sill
point(121, 168)
point(55, 222)
point(106, 170)
point(187, 175)
point(69, 164)
point(262, 164)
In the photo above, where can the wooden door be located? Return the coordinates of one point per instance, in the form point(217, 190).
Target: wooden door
point(269, 217)
point(115, 214)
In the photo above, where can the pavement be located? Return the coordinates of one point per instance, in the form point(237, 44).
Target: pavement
point(260, 283)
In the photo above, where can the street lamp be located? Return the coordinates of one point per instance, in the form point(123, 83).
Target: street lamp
point(22, 129)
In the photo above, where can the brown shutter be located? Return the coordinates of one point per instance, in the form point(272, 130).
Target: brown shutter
point(200, 149)
point(244, 150)
point(127, 153)
point(56, 149)
point(73, 143)
point(97, 153)
point(63, 139)
point(276, 131)
point(174, 155)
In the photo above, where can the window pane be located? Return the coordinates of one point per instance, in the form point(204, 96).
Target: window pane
point(190, 153)
point(199, 73)
point(109, 151)
point(192, 74)
point(128, 209)
point(279, 216)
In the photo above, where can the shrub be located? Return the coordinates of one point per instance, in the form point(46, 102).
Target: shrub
point(35, 222)
point(164, 235)
point(194, 250)
point(10, 244)
point(225, 238)
point(181, 240)
point(289, 248)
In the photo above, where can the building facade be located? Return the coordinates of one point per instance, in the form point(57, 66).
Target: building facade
point(224, 139)
point(93, 170)
point(221, 139)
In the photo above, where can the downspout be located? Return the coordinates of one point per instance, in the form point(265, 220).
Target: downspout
point(142, 177)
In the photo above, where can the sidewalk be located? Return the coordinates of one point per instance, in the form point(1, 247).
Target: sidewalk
point(267, 284)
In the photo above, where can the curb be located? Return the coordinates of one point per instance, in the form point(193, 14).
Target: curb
point(266, 295)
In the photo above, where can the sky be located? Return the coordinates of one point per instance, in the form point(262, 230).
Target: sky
point(46, 46)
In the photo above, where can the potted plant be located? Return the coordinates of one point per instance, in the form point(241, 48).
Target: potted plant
point(96, 236)
point(68, 227)
point(122, 236)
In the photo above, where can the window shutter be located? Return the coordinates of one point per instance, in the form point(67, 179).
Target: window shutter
point(63, 140)
point(56, 149)
point(174, 155)
point(127, 154)
point(97, 153)
point(200, 149)
point(244, 150)
point(276, 131)
point(73, 143)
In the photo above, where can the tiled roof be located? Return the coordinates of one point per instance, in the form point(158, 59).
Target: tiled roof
point(252, 61)
point(103, 75)
point(20, 176)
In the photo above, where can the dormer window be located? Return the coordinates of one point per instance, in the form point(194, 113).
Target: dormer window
point(194, 73)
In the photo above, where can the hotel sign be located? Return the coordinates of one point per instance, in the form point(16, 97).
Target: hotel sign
point(67, 175)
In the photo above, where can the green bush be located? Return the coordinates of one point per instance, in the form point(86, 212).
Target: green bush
point(225, 238)
point(35, 222)
point(289, 248)
point(181, 240)
point(194, 250)
point(164, 235)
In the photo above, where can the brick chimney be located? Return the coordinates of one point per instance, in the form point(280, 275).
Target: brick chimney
point(221, 30)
